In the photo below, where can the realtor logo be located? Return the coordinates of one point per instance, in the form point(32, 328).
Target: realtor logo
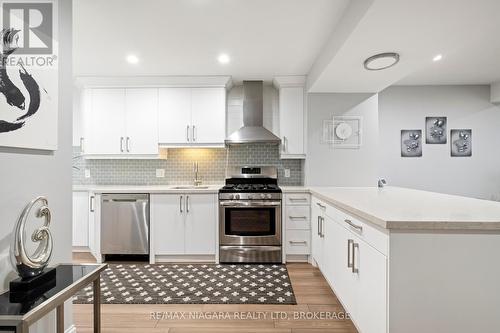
point(33, 24)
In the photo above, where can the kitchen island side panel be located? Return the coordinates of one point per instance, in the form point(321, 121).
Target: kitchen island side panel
point(446, 282)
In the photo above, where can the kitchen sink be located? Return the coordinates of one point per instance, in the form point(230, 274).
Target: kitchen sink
point(189, 187)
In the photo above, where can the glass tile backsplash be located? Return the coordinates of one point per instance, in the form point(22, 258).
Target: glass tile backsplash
point(178, 166)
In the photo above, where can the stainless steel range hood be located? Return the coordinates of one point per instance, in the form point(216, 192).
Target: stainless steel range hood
point(253, 130)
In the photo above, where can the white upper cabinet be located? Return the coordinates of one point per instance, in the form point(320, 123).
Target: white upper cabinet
point(174, 115)
point(121, 122)
point(105, 127)
point(141, 121)
point(192, 116)
point(291, 116)
point(208, 115)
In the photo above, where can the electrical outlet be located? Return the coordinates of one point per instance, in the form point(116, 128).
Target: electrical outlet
point(160, 173)
point(87, 173)
point(287, 173)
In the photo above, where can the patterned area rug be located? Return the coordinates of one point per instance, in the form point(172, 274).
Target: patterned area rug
point(192, 284)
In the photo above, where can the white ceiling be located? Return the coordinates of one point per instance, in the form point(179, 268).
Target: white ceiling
point(184, 37)
point(326, 39)
point(464, 31)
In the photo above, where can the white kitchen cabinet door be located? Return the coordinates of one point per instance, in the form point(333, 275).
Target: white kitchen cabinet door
point(105, 128)
point(338, 256)
point(168, 223)
point(291, 110)
point(174, 115)
point(201, 224)
point(370, 284)
point(316, 240)
point(141, 121)
point(80, 219)
point(208, 117)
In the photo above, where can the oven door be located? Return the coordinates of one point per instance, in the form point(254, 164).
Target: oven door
point(250, 222)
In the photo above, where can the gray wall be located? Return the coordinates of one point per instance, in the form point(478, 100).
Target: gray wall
point(466, 107)
point(26, 174)
point(326, 166)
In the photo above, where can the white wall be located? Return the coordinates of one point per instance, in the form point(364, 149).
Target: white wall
point(326, 166)
point(26, 174)
point(405, 107)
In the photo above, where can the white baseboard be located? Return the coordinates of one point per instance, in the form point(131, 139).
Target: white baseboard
point(185, 258)
point(297, 258)
point(71, 329)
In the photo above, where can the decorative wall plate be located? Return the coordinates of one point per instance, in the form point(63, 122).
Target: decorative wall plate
point(343, 132)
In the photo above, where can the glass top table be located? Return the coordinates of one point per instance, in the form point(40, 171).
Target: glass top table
point(17, 315)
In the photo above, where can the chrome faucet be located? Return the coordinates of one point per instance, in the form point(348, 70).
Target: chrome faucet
point(196, 180)
point(382, 182)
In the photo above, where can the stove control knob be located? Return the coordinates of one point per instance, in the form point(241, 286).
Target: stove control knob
point(269, 196)
point(236, 196)
point(262, 195)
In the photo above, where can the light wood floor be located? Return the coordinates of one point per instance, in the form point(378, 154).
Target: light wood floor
point(311, 291)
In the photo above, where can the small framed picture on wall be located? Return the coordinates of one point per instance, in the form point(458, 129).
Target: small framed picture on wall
point(411, 143)
point(461, 142)
point(435, 130)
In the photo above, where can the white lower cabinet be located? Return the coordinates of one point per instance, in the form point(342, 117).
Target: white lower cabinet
point(80, 219)
point(183, 224)
point(317, 216)
point(355, 270)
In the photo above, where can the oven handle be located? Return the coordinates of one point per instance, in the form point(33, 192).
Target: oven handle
point(250, 204)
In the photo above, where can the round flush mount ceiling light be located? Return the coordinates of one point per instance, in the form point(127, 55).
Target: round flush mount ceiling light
point(381, 61)
point(132, 59)
point(437, 57)
point(223, 58)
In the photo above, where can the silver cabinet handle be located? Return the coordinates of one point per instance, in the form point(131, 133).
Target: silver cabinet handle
point(355, 226)
point(82, 140)
point(187, 203)
point(320, 205)
point(128, 144)
point(92, 200)
point(297, 217)
point(349, 244)
point(322, 227)
point(318, 225)
point(193, 134)
point(285, 144)
point(121, 144)
point(180, 203)
point(187, 133)
point(298, 242)
point(354, 247)
point(297, 199)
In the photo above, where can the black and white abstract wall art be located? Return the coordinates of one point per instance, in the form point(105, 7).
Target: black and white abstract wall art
point(28, 76)
point(461, 142)
point(435, 130)
point(411, 143)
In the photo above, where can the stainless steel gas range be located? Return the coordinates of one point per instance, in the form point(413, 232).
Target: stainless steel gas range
point(250, 216)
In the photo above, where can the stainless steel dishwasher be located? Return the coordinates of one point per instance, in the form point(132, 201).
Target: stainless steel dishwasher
point(125, 224)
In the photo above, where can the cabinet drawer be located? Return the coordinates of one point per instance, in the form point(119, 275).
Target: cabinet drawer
point(297, 199)
point(298, 242)
point(364, 230)
point(297, 217)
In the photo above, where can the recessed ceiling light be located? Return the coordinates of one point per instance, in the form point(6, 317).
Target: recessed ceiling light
point(381, 61)
point(132, 59)
point(437, 57)
point(223, 58)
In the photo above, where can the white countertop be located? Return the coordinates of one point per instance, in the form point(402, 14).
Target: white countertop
point(146, 188)
point(409, 209)
point(392, 208)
